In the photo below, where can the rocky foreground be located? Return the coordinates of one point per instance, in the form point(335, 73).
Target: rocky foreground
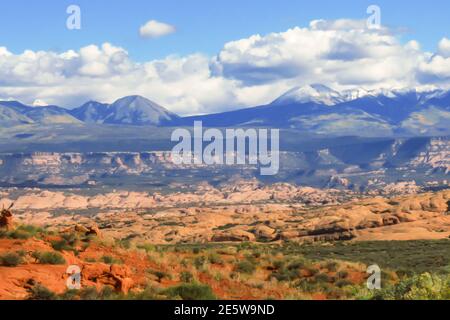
point(234, 243)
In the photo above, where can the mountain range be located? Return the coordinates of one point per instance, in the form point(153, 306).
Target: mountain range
point(314, 109)
point(319, 109)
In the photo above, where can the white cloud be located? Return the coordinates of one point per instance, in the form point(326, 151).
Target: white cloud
point(156, 29)
point(444, 47)
point(437, 69)
point(253, 71)
point(342, 52)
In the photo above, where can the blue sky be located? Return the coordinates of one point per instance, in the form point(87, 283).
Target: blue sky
point(202, 25)
point(223, 55)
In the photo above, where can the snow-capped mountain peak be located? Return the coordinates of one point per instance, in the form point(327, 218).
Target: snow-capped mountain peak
point(40, 103)
point(353, 94)
point(316, 93)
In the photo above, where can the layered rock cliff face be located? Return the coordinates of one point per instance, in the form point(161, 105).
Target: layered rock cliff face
point(422, 161)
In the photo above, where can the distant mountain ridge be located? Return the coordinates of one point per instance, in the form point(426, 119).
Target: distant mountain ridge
point(321, 110)
point(320, 94)
point(314, 109)
point(132, 110)
point(14, 113)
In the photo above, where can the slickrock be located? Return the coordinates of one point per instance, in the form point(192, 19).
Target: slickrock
point(234, 235)
point(302, 217)
point(265, 233)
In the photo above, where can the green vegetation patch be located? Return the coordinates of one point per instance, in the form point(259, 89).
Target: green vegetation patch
point(53, 258)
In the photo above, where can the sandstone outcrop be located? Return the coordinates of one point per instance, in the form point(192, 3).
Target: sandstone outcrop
point(265, 233)
point(118, 277)
point(234, 235)
point(179, 218)
point(92, 229)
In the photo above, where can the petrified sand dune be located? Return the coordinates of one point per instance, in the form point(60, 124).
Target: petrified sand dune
point(416, 216)
point(242, 192)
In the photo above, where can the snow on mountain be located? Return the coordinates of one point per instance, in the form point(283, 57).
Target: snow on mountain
point(39, 103)
point(314, 109)
point(320, 94)
point(316, 93)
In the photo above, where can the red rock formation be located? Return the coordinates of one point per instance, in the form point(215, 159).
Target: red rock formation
point(116, 276)
point(89, 230)
point(6, 218)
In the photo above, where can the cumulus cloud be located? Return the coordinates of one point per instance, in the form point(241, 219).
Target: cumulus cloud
point(105, 73)
point(342, 52)
point(253, 71)
point(436, 69)
point(444, 47)
point(156, 29)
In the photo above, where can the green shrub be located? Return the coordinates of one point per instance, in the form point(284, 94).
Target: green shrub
point(402, 273)
point(39, 292)
point(89, 293)
point(214, 258)
point(19, 234)
point(342, 274)
point(107, 259)
point(331, 266)
point(278, 264)
point(22, 232)
point(332, 292)
point(70, 295)
point(186, 277)
point(420, 287)
point(150, 293)
point(33, 230)
point(191, 291)
point(53, 258)
point(21, 253)
point(147, 247)
point(246, 267)
point(297, 264)
point(199, 262)
point(124, 244)
point(10, 259)
point(312, 271)
point(68, 242)
point(159, 274)
point(110, 260)
point(107, 293)
point(61, 245)
point(322, 277)
point(307, 285)
point(343, 283)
